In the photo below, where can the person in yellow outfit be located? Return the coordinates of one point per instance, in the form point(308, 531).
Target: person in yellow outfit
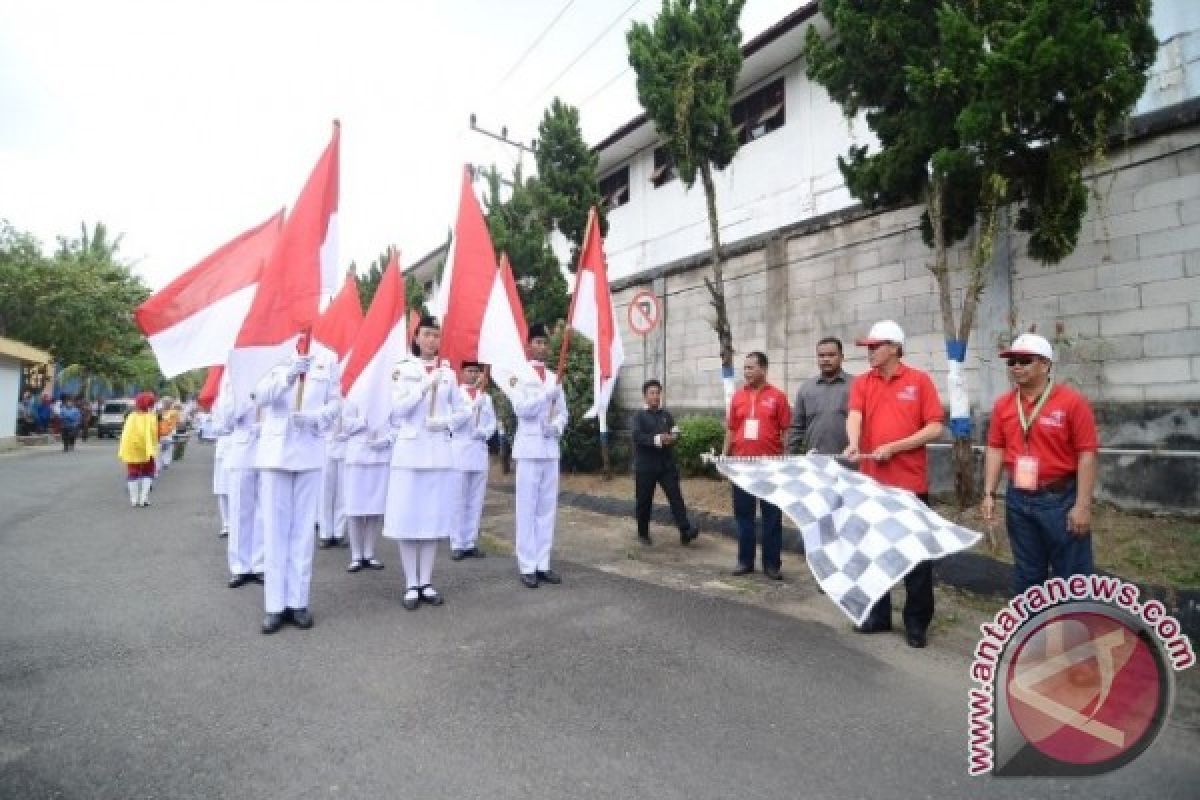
point(139, 445)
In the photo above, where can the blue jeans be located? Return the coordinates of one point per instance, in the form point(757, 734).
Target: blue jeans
point(772, 529)
point(1041, 544)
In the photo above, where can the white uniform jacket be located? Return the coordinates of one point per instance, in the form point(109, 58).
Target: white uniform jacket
point(363, 445)
point(470, 443)
point(423, 434)
point(285, 441)
point(541, 409)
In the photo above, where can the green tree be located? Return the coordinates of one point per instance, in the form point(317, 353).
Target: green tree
point(78, 304)
point(516, 228)
point(978, 106)
point(566, 186)
point(687, 65)
point(368, 284)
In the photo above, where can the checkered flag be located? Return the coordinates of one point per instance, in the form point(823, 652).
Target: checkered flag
point(860, 537)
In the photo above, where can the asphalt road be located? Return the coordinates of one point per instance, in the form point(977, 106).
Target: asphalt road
point(128, 670)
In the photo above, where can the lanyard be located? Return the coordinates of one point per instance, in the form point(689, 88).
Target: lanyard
point(1027, 424)
point(754, 393)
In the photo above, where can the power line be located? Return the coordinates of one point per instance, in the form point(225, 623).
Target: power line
point(585, 50)
point(537, 40)
point(604, 86)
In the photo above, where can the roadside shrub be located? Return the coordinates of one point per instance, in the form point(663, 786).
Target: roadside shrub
point(697, 436)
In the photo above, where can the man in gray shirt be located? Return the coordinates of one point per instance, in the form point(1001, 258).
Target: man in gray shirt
point(819, 413)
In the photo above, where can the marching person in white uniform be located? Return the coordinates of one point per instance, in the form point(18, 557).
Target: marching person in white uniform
point(424, 493)
point(238, 426)
point(471, 458)
point(220, 468)
point(368, 456)
point(332, 519)
point(541, 409)
point(289, 456)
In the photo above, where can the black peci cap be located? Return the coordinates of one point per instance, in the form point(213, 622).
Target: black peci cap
point(537, 331)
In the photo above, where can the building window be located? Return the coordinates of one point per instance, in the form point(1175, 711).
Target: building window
point(759, 113)
point(614, 188)
point(664, 167)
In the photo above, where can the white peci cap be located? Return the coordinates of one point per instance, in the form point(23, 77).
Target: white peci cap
point(883, 332)
point(1029, 344)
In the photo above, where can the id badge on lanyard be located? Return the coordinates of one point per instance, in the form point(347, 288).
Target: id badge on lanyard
point(750, 424)
point(1025, 470)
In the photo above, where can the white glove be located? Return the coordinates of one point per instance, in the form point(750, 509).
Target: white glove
point(300, 365)
point(306, 421)
point(481, 436)
point(380, 444)
point(436, 424)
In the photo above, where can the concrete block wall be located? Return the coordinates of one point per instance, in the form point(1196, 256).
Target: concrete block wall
point(1123, 310)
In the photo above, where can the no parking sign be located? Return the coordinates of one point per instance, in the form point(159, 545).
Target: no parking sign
point(645, 312)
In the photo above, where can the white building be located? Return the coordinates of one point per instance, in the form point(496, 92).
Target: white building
point(15, 357)
point(805, 260)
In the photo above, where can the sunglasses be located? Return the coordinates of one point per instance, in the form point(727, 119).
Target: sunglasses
point(1020, 361)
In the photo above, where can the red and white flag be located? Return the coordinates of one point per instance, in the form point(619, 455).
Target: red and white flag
point(382, 340)
point(514, 297)
point(211, 389)
point(502, 335)
point(339, 323)
point(467, 280)
point(302, 268)
point(193, 321)
point(593, 315)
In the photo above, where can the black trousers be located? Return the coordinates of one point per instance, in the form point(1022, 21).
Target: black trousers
point(668, 478)
point(918, 601)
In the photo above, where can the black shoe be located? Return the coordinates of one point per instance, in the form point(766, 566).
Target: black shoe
point(873, 628)
point(340, 541)
point(272, 623)
point(916, 639)
point(773, 573)
point(529, 579)
point(354, 566)
point(241, 579)
point(371, 563)
point(430, 596)
point(475, 552)
point(549, 576)
point(688, 535)
point(645, 540)
point(258, 578)
point(301, 618)
point(412, 599)
point(224, 534)
point(324, 544)
point(458, 555)
point(742, 569)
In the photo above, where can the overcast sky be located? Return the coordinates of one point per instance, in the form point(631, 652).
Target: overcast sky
point(182, 124)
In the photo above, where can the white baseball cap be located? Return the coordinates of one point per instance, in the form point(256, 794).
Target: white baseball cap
point(1029, 344)
point(884, 332)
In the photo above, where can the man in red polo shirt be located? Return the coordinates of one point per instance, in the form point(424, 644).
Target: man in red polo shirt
point(894, 412)
point(1045, 436)
point(759, 416)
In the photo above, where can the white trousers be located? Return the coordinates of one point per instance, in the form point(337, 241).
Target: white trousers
point(223, 508)
point(289, 504)
point(474, 488)
point(537, 506)
point(166, 451)
point(363, 533)
point(333, 499)
point(245, 544)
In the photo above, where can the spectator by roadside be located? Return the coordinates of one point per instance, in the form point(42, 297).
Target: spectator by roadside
point(654, 437)
point(819, 413)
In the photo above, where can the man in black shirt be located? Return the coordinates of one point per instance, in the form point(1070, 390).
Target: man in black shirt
point(654, 437)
